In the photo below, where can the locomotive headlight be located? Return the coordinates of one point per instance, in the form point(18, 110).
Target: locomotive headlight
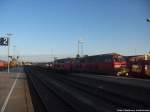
point(117, 66)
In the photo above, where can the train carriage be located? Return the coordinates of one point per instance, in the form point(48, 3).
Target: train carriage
point(3, 65)
point(63, 64)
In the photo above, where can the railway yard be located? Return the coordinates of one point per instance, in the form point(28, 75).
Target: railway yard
point(75, 56)
point(98, 83)
point(34, 88)
point(77, 92)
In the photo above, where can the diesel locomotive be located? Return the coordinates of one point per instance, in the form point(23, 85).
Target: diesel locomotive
point(111, 63)
point(138, 65)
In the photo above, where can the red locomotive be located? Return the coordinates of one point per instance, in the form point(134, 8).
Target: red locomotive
point(112, 63)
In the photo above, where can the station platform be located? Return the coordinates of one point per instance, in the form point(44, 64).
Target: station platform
point(14, 92)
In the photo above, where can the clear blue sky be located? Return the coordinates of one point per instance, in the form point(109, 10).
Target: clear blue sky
point(45, 26)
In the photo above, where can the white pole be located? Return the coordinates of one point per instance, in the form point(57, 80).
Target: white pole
point(8, 54)
point(14, 50)
point(78, 47)
point(82, 49)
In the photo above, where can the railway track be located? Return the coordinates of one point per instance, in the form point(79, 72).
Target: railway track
point(86, 93)
point(44, 99)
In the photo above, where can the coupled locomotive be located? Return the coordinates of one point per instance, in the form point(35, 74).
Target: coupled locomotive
point(111, 63)
point(138, 65)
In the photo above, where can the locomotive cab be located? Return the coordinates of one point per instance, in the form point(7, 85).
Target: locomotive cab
point(120, 65)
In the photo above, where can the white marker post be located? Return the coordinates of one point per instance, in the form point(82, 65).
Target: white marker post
point(7, 43)
point(8, 54)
